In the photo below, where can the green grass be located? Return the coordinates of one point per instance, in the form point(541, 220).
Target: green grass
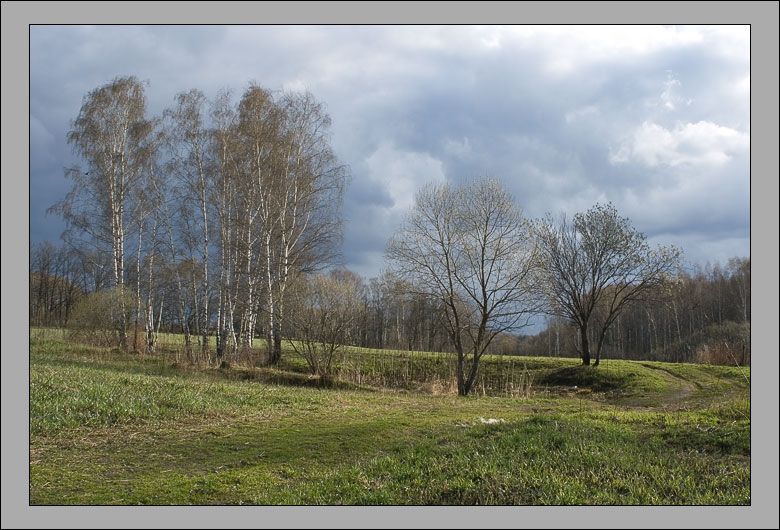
point(543, 459)
point(113, 428)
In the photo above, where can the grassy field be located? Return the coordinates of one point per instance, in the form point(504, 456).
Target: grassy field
point(112, 428)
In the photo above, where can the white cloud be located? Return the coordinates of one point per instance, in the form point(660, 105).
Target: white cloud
point(295, 85)
point(403, 172)
point(701, 143)
point(744, 86)
point(574, 48)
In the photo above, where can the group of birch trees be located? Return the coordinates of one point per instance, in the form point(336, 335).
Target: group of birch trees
point(210, 208)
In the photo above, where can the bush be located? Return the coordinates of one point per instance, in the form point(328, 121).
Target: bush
point(99, 319)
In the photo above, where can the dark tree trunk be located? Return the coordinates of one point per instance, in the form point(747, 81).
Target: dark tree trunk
point(462, 390)
point(274, 342)
point(584, 349)
point(276, 356)
point(599, 346)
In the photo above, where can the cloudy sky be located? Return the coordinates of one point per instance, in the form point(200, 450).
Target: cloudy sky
point(654, 119)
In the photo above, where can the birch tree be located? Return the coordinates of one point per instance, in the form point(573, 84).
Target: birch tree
point(303, 226)
point(223, 181)
point(113, 136)
point(259, 124)
point(167, 213)
point(189, 142)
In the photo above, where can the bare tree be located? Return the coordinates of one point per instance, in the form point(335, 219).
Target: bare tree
point(43, 281)
point(248, 193)
point(258, 130)
point(595, 266)
point(278, 190)
point(113, 136)
point(54, 287)
point(96, 317)
point(167, 213)
point(469, 247)
point(739, 270)
point(153, 297)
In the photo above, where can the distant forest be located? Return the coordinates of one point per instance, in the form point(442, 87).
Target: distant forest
point(707, 318)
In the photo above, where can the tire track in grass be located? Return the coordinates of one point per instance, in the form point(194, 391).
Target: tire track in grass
point(675, 397)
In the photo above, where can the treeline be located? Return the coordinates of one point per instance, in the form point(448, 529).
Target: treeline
point(387, 315)
point(704, 316)
point(58, 279)
point(706, 319)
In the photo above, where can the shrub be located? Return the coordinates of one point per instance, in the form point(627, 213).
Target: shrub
point(101, 318)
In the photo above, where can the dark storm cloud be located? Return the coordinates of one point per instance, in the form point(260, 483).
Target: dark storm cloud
point(653, 119)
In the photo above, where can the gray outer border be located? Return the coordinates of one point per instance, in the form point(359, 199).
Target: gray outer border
point(763, 17)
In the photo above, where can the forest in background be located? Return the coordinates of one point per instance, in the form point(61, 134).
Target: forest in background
point(706, 320)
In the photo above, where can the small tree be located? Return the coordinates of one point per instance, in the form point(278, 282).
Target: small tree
point(322, 309)
point(595, 266)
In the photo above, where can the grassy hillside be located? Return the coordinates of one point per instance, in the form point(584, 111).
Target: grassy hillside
point(109, 428)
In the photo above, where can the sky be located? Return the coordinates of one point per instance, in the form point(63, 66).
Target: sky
point(655, 119)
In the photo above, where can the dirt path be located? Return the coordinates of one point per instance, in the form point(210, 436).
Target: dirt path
point(683, 388)
point(674, 398)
